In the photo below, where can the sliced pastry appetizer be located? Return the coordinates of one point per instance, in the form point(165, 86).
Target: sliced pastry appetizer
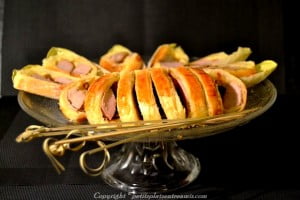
point(167, 94)
point(119, 58)
point(69, 62)
point(264, 69)
point(168, 55)
point(212, 95)
point(248, 71)
point(71, 100)
point(41, 81)
point(222, 59)
point(126, 100)
point(191, 91)
point(240, 68)
point(145, 96)
point(209, 60)
point(235, 96)
point(100, 100)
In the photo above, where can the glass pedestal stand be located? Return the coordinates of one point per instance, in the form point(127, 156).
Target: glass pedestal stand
point(155, 166)
point(151, 167)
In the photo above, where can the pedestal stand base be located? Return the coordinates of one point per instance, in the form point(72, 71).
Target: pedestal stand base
point(151, 167)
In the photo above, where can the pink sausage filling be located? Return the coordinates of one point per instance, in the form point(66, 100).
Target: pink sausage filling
point(119, 57)
point(47, 77)
point(76, 98)
point(65, 65)
point(109, 104)
point(62, 80)
point(171, 64)
point(232, 96)
point(81, 69)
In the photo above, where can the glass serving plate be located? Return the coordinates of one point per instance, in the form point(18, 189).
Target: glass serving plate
point(155, 164)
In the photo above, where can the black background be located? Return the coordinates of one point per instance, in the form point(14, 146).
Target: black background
point(258, 160)
point(201, 27)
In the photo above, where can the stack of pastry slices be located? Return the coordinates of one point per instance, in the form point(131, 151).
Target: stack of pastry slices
point(160, 93)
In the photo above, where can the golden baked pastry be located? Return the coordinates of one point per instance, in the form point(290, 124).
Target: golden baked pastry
point(145, 96)
point(263, 70)
point(167, 94)
point(126, 102)
point(168, 55)
point(191, 91)
point(71, 100)
point(213, 97)
point(120, 58)
point(221, 59)
point(100, 100)
point(40, 81)
point(168, 89)
point(235, 97)
point(69, 62)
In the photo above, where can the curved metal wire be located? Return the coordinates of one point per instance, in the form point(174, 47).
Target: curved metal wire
point(51, 149)
point(77, 133)
point(98, 170)
point(57, 147)
point(50, 152)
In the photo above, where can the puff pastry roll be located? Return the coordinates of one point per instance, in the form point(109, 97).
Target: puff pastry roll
point(100, 100)
point(119, 58)
point(41, 81)
point(168, 55)
point(145, 96)
point(212, 95)
point(69, 62)
point(71, 100)
point(167, 94)
point(235, 96)
point(191, 90)
point(126, 99)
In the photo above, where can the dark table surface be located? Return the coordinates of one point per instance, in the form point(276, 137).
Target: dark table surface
point(258, 160)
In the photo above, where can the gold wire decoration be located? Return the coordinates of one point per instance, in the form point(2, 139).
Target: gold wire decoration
point(94, 171)
point(81, 134)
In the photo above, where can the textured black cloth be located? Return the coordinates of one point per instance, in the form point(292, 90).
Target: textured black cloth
point(258, 160)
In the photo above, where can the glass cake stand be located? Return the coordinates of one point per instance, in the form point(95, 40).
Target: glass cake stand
point(155, 164)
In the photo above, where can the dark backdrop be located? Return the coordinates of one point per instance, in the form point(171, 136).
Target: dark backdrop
point(90, 27)
point(258, 160)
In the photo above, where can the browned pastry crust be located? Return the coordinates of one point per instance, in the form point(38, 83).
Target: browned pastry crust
point(70, 63)
point(119, 58)
point(160, 53)
point(235, 97)
point(94, 97)
point(238, 69)
point(40, 81)
point(71, 100)
point(166, 92)
point(168, 55)
point(213, 97)
point(192, 91)
point(126, 102)
point(130, 63)
point(145, 96)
